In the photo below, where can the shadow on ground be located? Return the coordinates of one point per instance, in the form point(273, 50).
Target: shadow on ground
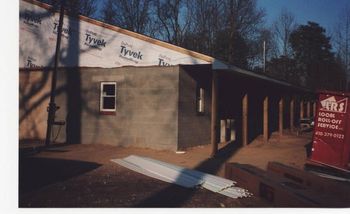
point(174, 195)
point(35, 173)
point(29, 148)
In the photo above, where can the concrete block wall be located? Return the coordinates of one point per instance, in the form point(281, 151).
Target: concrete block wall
point(146, 114)
point(147, 106)
point(34, 95)
point(33, 99)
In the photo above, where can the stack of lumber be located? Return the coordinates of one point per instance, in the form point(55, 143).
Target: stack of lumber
point(285, 186)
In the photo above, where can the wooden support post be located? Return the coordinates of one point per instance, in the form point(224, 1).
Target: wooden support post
point(291, 120)
point(266, 119)
point(308, 109)
point(245, 120)
point(214, 114)
point(228, 130)
point(233, 130)
point(314, 108)
point(280, 118)
point(301, 109)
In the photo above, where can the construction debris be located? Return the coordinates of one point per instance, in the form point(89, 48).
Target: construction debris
point(181, 176)
point(317, 182)
point(285, 186)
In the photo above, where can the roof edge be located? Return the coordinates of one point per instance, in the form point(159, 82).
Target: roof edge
point(266, 78)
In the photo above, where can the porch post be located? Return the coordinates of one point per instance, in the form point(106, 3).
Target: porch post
point(280, 118)
point(266, 119)
point(245, 120)
point(232, 130)
point(308, 109)
point(291, 121)
point(214, 113)
point(314, 108)
point(301, 109)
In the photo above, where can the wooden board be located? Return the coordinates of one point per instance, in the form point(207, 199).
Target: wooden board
point(278, 190)
point(312, 181)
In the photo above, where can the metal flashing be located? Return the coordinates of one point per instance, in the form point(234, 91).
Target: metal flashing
point(182, 176)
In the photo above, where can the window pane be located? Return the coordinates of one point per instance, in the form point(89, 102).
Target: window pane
point(200, 100)
point(109, 89)
point(108, 103)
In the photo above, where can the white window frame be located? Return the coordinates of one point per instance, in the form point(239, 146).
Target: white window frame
point(104, 95)
point(200, 96)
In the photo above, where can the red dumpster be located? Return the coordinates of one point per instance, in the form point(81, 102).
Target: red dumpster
point(331, 138)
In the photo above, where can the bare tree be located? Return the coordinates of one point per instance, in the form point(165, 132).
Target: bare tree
point(75, 7)
point(87, 7)
point(133, 15)
point(207, 22)
point(173, 19)
point(241, 28)
point(243, 16)
point(108, 12)
point(282, 28)
point(341, 39)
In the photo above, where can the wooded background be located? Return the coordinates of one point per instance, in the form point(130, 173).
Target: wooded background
point(234, 31)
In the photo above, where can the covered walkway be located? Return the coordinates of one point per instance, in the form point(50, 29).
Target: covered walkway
point(246, 105)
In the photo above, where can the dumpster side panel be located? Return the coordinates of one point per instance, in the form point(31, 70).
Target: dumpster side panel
point(330, 140)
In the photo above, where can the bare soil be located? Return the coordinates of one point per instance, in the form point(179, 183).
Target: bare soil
point(83, 175)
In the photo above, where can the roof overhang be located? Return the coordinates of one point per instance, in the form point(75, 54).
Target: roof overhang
point(253, 75)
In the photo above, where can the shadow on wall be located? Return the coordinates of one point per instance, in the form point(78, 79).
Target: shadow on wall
point(175, 196)
point(73, 85)
point(29, 90)
point(35, 93)
point(32, 94)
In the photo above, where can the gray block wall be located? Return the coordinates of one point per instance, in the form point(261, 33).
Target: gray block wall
point(156, 106)
point(146, 114)
point(147, 106)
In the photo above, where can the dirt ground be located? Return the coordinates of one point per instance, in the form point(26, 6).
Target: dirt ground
point(83, 175)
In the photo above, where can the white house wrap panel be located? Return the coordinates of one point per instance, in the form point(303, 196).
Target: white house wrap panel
point(86, 44)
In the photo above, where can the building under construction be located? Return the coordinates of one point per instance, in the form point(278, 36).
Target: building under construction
point(121, 88)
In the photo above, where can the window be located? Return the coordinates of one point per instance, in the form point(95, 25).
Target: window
point(200, 100)
point(108, 96)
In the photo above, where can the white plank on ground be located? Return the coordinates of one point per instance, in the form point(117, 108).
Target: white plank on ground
point(205, 176)
point(182, 176)
point(136, 168)
point(171, 174)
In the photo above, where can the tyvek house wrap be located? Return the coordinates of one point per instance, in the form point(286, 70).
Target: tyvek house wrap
point(98, 46)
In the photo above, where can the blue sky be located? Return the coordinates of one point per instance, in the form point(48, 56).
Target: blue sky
point(324, 12)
